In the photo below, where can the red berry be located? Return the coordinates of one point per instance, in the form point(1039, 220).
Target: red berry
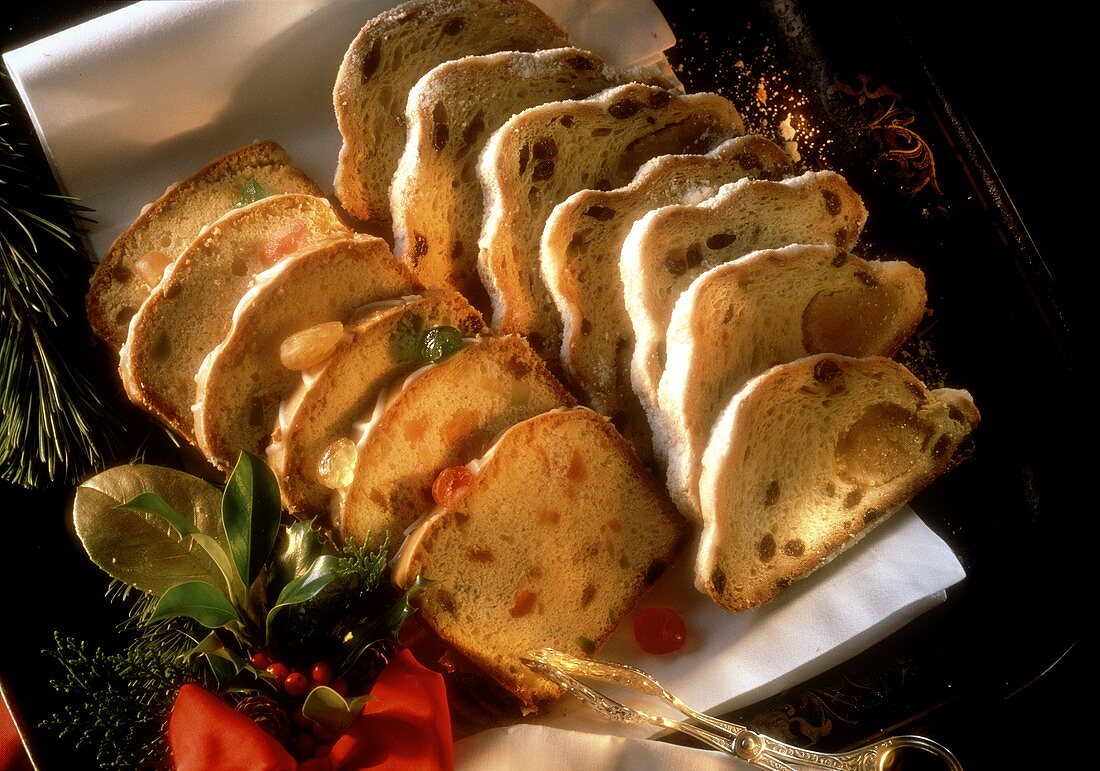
point(340, 686)
point(280, 671)
point(304, 745)
point(322, 673)
point(659, 630)
point(260, 660)
point(452, 483)
point(296, 684)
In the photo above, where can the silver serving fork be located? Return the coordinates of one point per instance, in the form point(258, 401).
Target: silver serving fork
point(730, 738)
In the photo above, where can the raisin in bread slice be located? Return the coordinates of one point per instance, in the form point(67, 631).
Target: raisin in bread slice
point(442, 415)
point(579, 260)
point(767, 308)
point(383, 63)
point(191, 309)
point(383, 347)
point(807, 458)
point(243, 380)
point(557, 538)
point(545, 154)
point(137, 259)
point(670, 247)
point(436, 200)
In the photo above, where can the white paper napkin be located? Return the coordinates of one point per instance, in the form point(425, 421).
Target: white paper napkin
point(143, 97)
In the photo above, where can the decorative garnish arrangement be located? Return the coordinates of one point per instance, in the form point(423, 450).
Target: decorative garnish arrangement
point(277, 619)
point(53, 425)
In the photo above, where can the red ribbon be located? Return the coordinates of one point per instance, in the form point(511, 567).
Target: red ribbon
point(405, 726)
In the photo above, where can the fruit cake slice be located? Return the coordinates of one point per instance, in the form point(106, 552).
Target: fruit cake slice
point(807, 458)
point(579, 260)
point(668, 248)
point(545, 154)
point(289, 321)
point(436, 198)
point(767, 308)
point(556, 538)
point(442, 415)
point(191, 309)
point(383, 63)
point(316, 421)
point(138, 258)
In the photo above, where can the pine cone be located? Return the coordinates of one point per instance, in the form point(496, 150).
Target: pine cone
point(267, 714)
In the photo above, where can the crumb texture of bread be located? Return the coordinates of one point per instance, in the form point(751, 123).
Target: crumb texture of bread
point(558, 537)
point(243, 380)
point(771, 307)
point(446, 417)
point(436, 198)
point(579, 260)
point(545, 154)
point(386, 59)
point(376, 352)
point(670, 247)
point(807, 458)
point(191, 309)
point(169, 225)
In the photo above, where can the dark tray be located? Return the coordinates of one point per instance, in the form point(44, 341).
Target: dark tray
point(997, 329)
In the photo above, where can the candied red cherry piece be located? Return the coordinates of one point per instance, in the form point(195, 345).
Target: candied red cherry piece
point(659, 630)
point(451, 484)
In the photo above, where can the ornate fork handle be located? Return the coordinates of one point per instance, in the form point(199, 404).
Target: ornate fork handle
point(733, 739)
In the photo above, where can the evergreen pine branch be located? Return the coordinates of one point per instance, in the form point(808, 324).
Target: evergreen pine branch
point(53, 424)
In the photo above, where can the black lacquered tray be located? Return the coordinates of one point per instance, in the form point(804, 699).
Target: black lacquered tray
point(848, 87)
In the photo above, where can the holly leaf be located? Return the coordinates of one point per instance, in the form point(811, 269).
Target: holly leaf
point(197, 600)
point(304, 588)
point(251, 509)
point(295, 550)
point(331, 711)
point(141, 548)
point(382, 627)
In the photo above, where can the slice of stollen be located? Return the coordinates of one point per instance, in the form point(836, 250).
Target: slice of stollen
point(767, 308)
point(557, 537)
point(191, 309)
point(441, 415)
point(807, 458)
point(436, 198)
point(381, 349)
point(244, 378)
point(388, 56)
point(579, 260)
point(138, 258)
point(545, 154)
point(668, 248)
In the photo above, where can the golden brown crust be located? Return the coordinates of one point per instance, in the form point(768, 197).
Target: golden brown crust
point(116, 293)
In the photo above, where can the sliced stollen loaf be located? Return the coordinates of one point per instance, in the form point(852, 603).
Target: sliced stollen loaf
point(443, 415)
point(191, 309)
point(243, 380)
point(138, 258)
point(767, 308)
point(388, 56)
point(556, 539)
point(579, 260)
point(545, 154)
point(807, 458)
point(436, 198)
point(382, 348)
point(668, 248)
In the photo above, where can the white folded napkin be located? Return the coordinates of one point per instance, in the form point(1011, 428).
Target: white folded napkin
point(135, 100)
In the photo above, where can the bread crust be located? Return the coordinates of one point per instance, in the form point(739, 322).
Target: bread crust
point(115, 292)
point(807, 458)
point(369, 95)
